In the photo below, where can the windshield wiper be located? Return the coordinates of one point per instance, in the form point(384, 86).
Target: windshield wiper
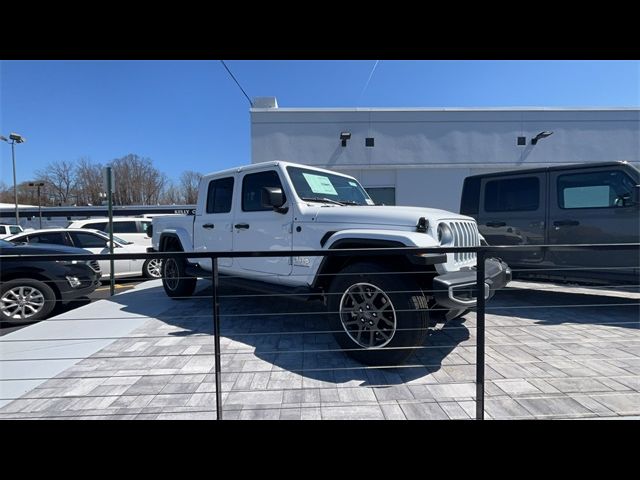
point(328, 200)
point(323, 200)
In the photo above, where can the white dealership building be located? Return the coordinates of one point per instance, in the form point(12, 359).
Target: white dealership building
point(420, 156)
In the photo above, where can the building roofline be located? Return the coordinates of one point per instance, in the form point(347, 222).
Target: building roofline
point(445, 109)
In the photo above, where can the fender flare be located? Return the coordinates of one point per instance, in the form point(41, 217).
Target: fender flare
point(179, 234)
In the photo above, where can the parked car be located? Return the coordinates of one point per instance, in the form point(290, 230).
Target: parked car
point(8, 230)
point(96, 242)
point(132, 229)
point(30, 289)
point(585, 203)
point(380, 307)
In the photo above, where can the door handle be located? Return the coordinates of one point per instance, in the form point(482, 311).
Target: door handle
point(496, 224)
point(242, 226)
point(208, 225)
point(566, 223)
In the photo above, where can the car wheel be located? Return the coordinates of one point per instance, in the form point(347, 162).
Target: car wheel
point(378, 318)
point(25, 300)
point(175, 281)
point(152, 268)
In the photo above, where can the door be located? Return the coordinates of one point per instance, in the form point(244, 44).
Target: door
point(513, 212)
point(98, 244)
point(261, 228)
point(594, 206)
point(213, 228)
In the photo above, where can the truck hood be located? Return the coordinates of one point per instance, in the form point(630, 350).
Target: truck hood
point(382, 215)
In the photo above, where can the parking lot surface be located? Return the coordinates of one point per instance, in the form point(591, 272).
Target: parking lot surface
point(551, 352)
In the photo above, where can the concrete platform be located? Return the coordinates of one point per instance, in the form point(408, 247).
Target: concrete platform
point(552, 352)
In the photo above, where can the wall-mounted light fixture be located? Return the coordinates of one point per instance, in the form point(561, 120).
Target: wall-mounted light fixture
point(344, 136)
point(544, 134)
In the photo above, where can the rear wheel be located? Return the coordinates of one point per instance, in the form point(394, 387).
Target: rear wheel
point(175, 281)
point(378, 318)
point(25, 300)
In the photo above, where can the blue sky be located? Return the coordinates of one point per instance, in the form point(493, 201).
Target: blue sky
point(190, 115)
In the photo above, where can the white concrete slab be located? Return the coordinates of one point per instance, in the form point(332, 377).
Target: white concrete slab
point(62, 341)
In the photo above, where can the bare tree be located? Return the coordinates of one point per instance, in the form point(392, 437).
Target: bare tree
point(171, 195)
point(137, 181)
point(88, 182)
point(61, 178)
point(189, 182)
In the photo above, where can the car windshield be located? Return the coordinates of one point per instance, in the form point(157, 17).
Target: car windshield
point(315, 186)
point(122, 241)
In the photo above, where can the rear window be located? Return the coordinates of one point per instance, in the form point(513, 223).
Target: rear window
point(102, 226)
point(220, 195)
point(56, 238)
point(125, 227)
point(512, 195)
point(470, 196)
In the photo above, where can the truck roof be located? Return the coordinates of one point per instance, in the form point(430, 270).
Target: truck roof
point(256, 166)
point(572, 166)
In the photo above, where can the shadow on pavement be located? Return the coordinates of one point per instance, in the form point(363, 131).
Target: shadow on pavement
point(291, 335)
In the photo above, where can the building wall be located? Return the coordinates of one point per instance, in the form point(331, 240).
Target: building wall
point(426, 153)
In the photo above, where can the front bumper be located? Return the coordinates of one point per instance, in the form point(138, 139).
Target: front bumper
point(458, 289)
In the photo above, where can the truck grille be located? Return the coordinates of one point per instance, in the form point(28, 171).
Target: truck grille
point(465, 234)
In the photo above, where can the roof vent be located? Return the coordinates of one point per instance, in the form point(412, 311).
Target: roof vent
point(265, 102)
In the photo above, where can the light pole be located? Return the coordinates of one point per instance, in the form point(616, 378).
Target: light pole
point(15, 138)
point(38, 184)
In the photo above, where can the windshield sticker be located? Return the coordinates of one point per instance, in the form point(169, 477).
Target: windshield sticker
point(353, 184)
point(369, 201)
point(320, 184)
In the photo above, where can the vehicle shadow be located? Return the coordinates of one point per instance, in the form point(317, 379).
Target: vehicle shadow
point(553, 307)
point(292, 336)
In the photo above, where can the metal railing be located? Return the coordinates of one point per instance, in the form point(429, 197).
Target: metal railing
point(482, 252)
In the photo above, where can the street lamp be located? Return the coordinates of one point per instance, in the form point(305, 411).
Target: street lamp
point(15, 138)
point(38, 184)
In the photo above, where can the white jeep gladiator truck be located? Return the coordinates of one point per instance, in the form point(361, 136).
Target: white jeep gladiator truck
point(379, 307)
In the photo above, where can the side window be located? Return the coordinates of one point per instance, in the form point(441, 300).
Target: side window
point(56, 238)
point(3, 230)
point(606, 189)
point(86, 240)
point(470, 196)
point(220, 195)
point(102, 226)
point(512, 195)
point(382, 195)
point(252, 185)
point(124, 227)
point(143, 226)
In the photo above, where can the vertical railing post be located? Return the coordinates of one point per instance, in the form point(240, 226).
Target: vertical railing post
point(480, 305)
point(216, 335)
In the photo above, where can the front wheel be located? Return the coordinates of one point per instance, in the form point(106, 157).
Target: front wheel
point(175, 281)
point(379, 318)
point(25, 300)
point(152, 268)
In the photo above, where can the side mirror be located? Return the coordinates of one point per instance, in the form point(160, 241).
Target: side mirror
point(149, 230)
point(272, 197)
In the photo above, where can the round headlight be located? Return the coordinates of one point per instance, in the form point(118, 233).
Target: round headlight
point(445, 235)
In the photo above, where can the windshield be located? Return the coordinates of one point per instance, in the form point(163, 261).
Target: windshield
point(117, 239)
point(312, 185)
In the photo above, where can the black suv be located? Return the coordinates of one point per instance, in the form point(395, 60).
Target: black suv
point(589, 203)
point(30, 289)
